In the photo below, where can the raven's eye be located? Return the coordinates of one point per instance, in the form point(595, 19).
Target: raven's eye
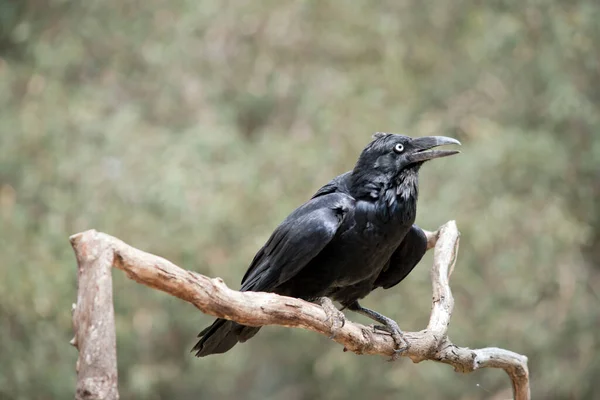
point(398, 148)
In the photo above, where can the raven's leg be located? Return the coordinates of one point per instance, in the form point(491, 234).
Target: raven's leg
point(389, 325)
point(335, 317)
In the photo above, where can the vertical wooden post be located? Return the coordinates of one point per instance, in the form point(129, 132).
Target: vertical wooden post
point(94, 320)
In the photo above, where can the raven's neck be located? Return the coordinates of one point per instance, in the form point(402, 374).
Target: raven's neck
point(393, 197)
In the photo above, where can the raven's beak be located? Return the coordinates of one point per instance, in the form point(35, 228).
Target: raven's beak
point(421, 148)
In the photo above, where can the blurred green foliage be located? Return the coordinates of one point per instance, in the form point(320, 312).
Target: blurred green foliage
point(191, 129)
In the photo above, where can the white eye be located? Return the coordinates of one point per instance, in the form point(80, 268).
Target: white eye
point(398, 148)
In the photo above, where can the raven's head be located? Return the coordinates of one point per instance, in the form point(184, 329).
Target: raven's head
point(392, 159)
point(391, 153)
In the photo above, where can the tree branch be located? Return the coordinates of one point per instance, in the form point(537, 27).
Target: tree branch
point(94, 320)
point(213, 297)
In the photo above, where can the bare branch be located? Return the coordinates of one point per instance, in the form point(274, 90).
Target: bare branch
point(213, 297)
point(431, 238)
point(94, 320)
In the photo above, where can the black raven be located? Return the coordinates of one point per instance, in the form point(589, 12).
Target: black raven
point(354, 235)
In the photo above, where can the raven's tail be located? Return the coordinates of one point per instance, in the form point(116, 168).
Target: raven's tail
point(221, 336)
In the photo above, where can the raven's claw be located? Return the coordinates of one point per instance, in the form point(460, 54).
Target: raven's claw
point(335, 317)
point(388, 325)
point(394, 330)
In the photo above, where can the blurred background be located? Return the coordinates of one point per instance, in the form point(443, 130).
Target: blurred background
point(190, 129)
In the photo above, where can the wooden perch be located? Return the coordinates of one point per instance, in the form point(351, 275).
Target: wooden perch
point(94, 320)
point(97, 250)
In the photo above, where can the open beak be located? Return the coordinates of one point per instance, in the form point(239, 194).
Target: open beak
point(422, 148)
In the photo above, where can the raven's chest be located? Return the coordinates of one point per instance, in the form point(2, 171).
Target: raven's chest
point(366, 242)
point(378, 224)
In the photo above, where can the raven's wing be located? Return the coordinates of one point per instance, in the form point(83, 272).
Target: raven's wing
point(296, 241)
point(404, 259)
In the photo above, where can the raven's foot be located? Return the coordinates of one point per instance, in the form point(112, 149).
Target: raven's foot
point(394, 330)
point(335, 317)
point(388, 325)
